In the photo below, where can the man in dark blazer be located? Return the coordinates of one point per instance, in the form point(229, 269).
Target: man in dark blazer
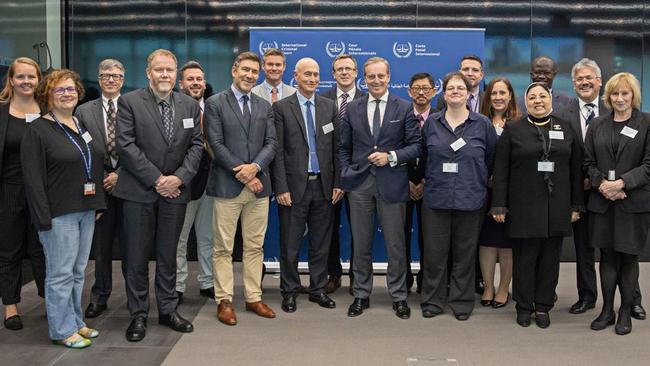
point(159, 144)
point(579, 113)
point(344, 70)
point(472, 67)
point(100, 116)
point(542, 70)
point(379, 136)
point(305, 175)
point(239, 129)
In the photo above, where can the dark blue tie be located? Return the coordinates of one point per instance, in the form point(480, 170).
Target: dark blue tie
point(590, 113)
point(311, 136)
point(376, 121)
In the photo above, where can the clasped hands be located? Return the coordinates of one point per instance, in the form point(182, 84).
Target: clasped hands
point(168, 186)
point(378, 158)
point(284, 199)
point(247, 175)
point(416, 191)
point(501, 218)
point(613, 190)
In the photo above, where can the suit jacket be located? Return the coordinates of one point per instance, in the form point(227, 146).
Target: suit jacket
point(571, 114)
point(560, 100)
point(92, 114)
point(144, 152)
point(289, 168)
point(234, 143)
point(261, 91)
point(440, 104)
point(631, 163)
point(399, 132)
point(331, 94)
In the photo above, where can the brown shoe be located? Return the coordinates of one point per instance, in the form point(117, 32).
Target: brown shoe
point(333, 283)
point(225, 313)
point(260, 309)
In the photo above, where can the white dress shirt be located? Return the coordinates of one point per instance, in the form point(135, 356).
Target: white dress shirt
point(371, 109)
point(584, 114)
point(339, 96)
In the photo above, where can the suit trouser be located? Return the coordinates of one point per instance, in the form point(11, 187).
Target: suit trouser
point(585, 259)
point(449, 233)
point(364, 203)
point(106, 229)
point(535, 272)
point(147, 226)
point(254, 213)
point(334, 267)
point(17, 236)
point(408, 231)
point(317, 212)
point(199, 215)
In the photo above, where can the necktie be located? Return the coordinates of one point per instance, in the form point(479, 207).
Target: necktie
point(344, 105)
point(421, 119)
point(167, 121)
point(376, 121)
point(111, 118)
point(470, 102)
point(274, 95)
point(590, 113)
point(311, 136)
point(246, 111)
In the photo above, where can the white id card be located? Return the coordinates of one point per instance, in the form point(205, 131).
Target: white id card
point(29, 117)
point(89, 189)
point(86, 137)
point(611, 175)
point(456, 145)
point(188, 123)
point(328, 128)
point(556, 135)
point(545, 166)
point(499, 130)
point(450, 167)
point(629, 132)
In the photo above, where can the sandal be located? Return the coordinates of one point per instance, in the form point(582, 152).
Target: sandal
point(79, 342)
point(88, 332)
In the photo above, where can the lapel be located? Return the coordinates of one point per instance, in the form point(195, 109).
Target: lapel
point(634, 124)
point(98, 117)
point(265, 93)
point(363, 117)
point(152, 108)
point(179, 109)
point(234, 105)
point(391, 108)
point(297, 112)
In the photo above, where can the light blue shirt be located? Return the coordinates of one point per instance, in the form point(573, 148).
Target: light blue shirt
point(269, 89)
point(303, 108)
point(240, 100)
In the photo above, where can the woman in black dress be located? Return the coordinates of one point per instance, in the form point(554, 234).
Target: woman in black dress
point(500, 106)
point(617, 148)
point(538, 185)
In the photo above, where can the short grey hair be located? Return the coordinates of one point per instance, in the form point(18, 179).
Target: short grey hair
point(585, 62)
point(304, 60)
point(108, 63)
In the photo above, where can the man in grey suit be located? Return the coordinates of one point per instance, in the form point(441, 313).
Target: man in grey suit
point(272, 88)
point(159, 144)
point(305, 175)
point(100, 116)
point(239, 129)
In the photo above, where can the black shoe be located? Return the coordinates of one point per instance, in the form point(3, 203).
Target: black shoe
point(207, 292)
point(638, 312)
point(289, 303)
point(94, 310)
point(176, 322)
point(137, 329)
point(523, 319)
point(322, 300)
point(498, 305)
point(429, 313)
point(487, 302)
point(603, 321)
point(462, 316)
point(180, 297)
point(623, 323)
point(542, 319)
point(581, 306)
point(14, 323)
point(357, 306)
point(402, 309)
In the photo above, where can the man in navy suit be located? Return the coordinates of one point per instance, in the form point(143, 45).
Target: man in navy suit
point(379, 136)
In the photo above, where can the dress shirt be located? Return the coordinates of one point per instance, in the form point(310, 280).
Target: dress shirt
point(583, 114)
point(269, 88)
point(424, 114)
point(371, 109)
point(339, 95)
point(474, 102)
point(104, 110)
point(240, 100)
point(303, 108)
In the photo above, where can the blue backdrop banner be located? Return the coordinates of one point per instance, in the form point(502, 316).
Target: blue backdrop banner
point(409, 51)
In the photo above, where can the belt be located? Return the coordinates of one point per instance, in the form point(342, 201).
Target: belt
point(313, 176)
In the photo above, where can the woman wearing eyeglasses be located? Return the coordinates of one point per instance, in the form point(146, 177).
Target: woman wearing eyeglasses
point(63, 169)
point(18, 108)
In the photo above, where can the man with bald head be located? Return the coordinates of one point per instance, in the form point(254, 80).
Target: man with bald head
point(305, 176)
point(542, 70)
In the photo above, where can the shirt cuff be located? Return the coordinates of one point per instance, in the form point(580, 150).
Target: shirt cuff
point(259, 168)
point(393, 159)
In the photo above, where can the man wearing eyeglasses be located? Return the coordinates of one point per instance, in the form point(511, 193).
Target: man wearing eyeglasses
point(344, 70)
point(100, 116)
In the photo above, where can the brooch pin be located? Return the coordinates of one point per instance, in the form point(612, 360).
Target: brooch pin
point(557, 127)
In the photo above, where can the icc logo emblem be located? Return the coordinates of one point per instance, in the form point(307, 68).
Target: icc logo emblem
point(293, 83)
point(402, 50)
point(361, 84)
point(334, 49)
point(266, 45)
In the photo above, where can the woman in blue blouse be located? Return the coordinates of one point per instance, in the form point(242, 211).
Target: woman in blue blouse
point(460, 147)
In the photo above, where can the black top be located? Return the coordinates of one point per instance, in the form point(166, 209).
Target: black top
point(55, 173)
point(12, 172)
point(616, 136)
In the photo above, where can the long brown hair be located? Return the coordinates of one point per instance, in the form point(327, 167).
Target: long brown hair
point(7, 92)
point(512, 112)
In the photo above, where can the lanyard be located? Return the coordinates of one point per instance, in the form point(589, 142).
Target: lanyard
point(546, 149)
point(87, 162)
point(452, 157)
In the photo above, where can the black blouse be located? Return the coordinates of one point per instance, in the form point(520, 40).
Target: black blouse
point(11, 169)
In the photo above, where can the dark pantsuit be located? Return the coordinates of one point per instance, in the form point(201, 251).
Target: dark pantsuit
point(317, 212)
point(106, 229)
point(536, 267)
point(146, 227)
point(449, 233)
point(334, 267)
point(585, 259)
point(364, 202)
point(17, 237)
point(408, 231)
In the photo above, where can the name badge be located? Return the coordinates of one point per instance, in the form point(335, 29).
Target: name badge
point(328, 128)
point(556, 135)
point(456, 145)
point(450, 167)
point(499, 130)
point(89, 189)
point(188, 123)
point(611, 175)
point(29, 117)
point(86, 136)
point(629, 132)
point(545, 166)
